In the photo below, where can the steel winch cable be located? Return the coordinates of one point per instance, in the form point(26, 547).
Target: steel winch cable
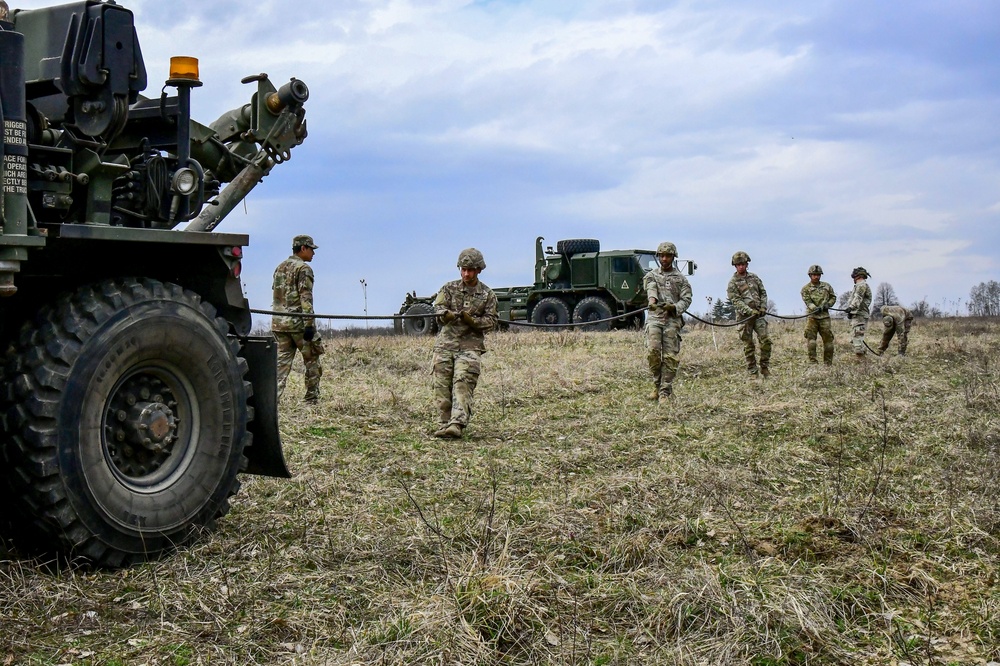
point(526, 324)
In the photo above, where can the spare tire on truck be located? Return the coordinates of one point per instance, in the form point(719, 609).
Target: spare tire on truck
point(578, 246)
point(126, 421)
point(417, 325)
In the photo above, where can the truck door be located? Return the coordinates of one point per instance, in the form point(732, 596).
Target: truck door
point(624, 277)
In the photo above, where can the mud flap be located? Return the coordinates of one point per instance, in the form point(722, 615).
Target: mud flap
point(264, 455)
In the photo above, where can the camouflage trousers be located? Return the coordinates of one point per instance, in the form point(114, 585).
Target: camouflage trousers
point(903, 333)
point(756, 326)
point(663, 343)
point(858, 328)
point(825, 331)
point(288, 343)
point(455, 375)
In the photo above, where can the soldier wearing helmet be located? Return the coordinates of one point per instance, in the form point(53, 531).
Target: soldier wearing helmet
point(897, 321)
point(858, 310)
point(819, 297)
point(466, 310)
point(669, 295)
point(292, 289)
point(749, 298)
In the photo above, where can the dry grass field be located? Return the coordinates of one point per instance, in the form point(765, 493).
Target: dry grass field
point(847, 515)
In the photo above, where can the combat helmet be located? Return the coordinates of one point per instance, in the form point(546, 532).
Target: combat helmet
point(860, 271)
point(815, 269)
point(666, 248)
point(741, 257)
point(471, 258)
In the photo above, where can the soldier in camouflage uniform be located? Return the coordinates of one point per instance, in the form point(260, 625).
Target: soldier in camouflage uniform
point(293, 292)
point(859, 309)
point(668, 294)
point(897, 321)
point(819, 297)
point(749, 298)
point(466, 310)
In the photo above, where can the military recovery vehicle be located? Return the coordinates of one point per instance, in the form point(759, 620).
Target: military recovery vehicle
point(574, 283)
point(133, 394)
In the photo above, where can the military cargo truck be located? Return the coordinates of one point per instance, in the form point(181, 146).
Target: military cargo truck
point(574, 283)
point(133, 394)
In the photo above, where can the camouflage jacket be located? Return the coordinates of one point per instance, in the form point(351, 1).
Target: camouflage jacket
point(293, 292)
point(479, 301)
point(898, 313)
point(820, 295)
point(747, 294)
point(860, 301)
point(667, 287)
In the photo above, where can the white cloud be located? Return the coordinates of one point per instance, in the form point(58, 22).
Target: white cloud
point(779, 127)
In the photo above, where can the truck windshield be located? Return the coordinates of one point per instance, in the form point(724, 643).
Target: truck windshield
point(647, 261)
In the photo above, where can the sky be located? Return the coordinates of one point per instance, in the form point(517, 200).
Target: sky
point(840, 132)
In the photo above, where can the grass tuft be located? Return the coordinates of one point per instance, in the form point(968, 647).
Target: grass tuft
point(843, 515)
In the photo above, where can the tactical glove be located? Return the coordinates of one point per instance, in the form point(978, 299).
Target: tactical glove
point(467, 319)
point(448, 316)
point(670, 309)
point(309, 333)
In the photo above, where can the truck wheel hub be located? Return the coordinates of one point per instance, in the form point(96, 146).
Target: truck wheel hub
point(140, 425)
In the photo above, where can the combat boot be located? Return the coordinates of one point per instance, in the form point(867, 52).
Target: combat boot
point(666, 390)
point(453, 431)
point(442, 431)
point(765, 371)
point(655, 395)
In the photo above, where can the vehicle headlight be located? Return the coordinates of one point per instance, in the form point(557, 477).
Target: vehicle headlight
point(185, 181)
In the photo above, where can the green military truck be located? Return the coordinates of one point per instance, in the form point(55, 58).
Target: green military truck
point(133, 393)
point(574, 283)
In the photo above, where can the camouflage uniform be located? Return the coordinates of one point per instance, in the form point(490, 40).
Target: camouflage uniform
point(818, 299)
point(859, 309)
point(458, 348)
point(663, 331)
point(293, 292)
point(749, 299)
point(897, 321)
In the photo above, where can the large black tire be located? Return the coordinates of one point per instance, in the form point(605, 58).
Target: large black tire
point(552, 311)
point(420, 325)
point(593, 308)
point(126, 412)
point(578, 246)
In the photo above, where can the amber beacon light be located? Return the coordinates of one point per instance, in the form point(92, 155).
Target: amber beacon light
point(184, 67)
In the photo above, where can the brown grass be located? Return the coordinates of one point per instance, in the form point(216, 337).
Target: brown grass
point(826, 516)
